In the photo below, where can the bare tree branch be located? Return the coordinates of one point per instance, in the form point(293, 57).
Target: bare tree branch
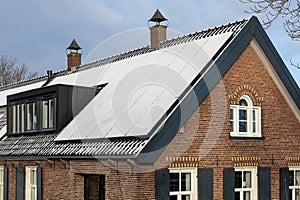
point(11, 72)
point(287, 9)
point(295, 65)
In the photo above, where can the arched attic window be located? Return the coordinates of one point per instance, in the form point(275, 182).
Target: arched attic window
point(245, 119)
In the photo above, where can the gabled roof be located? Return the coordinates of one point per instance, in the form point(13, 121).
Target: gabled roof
point(184, 66)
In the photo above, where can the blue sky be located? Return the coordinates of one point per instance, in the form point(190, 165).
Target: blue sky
point(37, 32)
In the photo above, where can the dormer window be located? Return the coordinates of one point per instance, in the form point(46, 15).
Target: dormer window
point(33, 114)
point(47, 109)
point(245, 119)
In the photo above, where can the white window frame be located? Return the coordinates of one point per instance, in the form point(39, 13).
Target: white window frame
point(254, 181)
point(29, 185)
point(193, 191)
point(295, 187)
point(250, 109)
point(1, 182)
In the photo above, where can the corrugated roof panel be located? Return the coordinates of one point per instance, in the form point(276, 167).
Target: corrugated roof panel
point(140, 85)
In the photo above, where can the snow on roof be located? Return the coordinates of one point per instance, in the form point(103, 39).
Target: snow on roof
point(14, 90)
point(140, 89)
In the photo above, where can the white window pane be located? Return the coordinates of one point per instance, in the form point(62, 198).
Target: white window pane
point(34, 115)
point(1, 192)
point(51, 113)
point(1, 175)
point(243, 102)
point(174, 182)
point(247, 179)
point(19, 110)
point(231, 119)
point(14, 118)
point(45, 105)
point(242, 126)
point(242, 114)
point(297, 194)
point(29, 116)
point(247, 195)
point(185, 181)
point(186, 197)
point(22, 117)
point(297, 178)
point(33, 194)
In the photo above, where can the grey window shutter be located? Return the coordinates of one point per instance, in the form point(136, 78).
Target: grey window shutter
point(162, 181)
point(5, 183)
point(228, 181)
point(205, 184)
point(264, 183)
point(39, 183)
point(20, 183)
point(284, 183)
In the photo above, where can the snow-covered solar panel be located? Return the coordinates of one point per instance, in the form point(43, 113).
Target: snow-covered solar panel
point(5, 93)
point(140, 90)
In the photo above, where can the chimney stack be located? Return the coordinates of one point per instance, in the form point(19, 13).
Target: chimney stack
point(158, 32)
point(73, 52)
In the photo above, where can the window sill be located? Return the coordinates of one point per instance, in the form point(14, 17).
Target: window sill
point(246, 137)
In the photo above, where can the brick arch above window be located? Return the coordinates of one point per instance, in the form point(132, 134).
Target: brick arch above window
point(243, 90)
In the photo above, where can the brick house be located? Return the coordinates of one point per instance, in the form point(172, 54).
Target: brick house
point(209, 115)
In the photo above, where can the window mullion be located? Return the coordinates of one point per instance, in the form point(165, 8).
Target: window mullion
point(249, 120)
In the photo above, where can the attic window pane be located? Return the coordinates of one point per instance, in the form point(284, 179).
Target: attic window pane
point(29, 116)
point(243, 102)
point(34, 115)
point(14, 121)
point(45, 114)
point(51, 113)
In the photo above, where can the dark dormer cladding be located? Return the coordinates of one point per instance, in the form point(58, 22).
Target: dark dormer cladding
point(47, 109)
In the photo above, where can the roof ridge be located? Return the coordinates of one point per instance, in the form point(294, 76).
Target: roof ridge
point(165, 44)
point(231, 26)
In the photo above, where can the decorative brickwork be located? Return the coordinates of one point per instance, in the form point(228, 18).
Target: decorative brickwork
point(245, 161)
point(293, 161)
point(235, 97)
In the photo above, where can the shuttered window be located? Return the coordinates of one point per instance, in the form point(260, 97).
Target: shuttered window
point(228, 183)
point(162, 184)
point(183, 183)
point(205, 184)
point(264, 183)
point(20, 179)
point(241, 183)
point(29, 183)
point(284, 183)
